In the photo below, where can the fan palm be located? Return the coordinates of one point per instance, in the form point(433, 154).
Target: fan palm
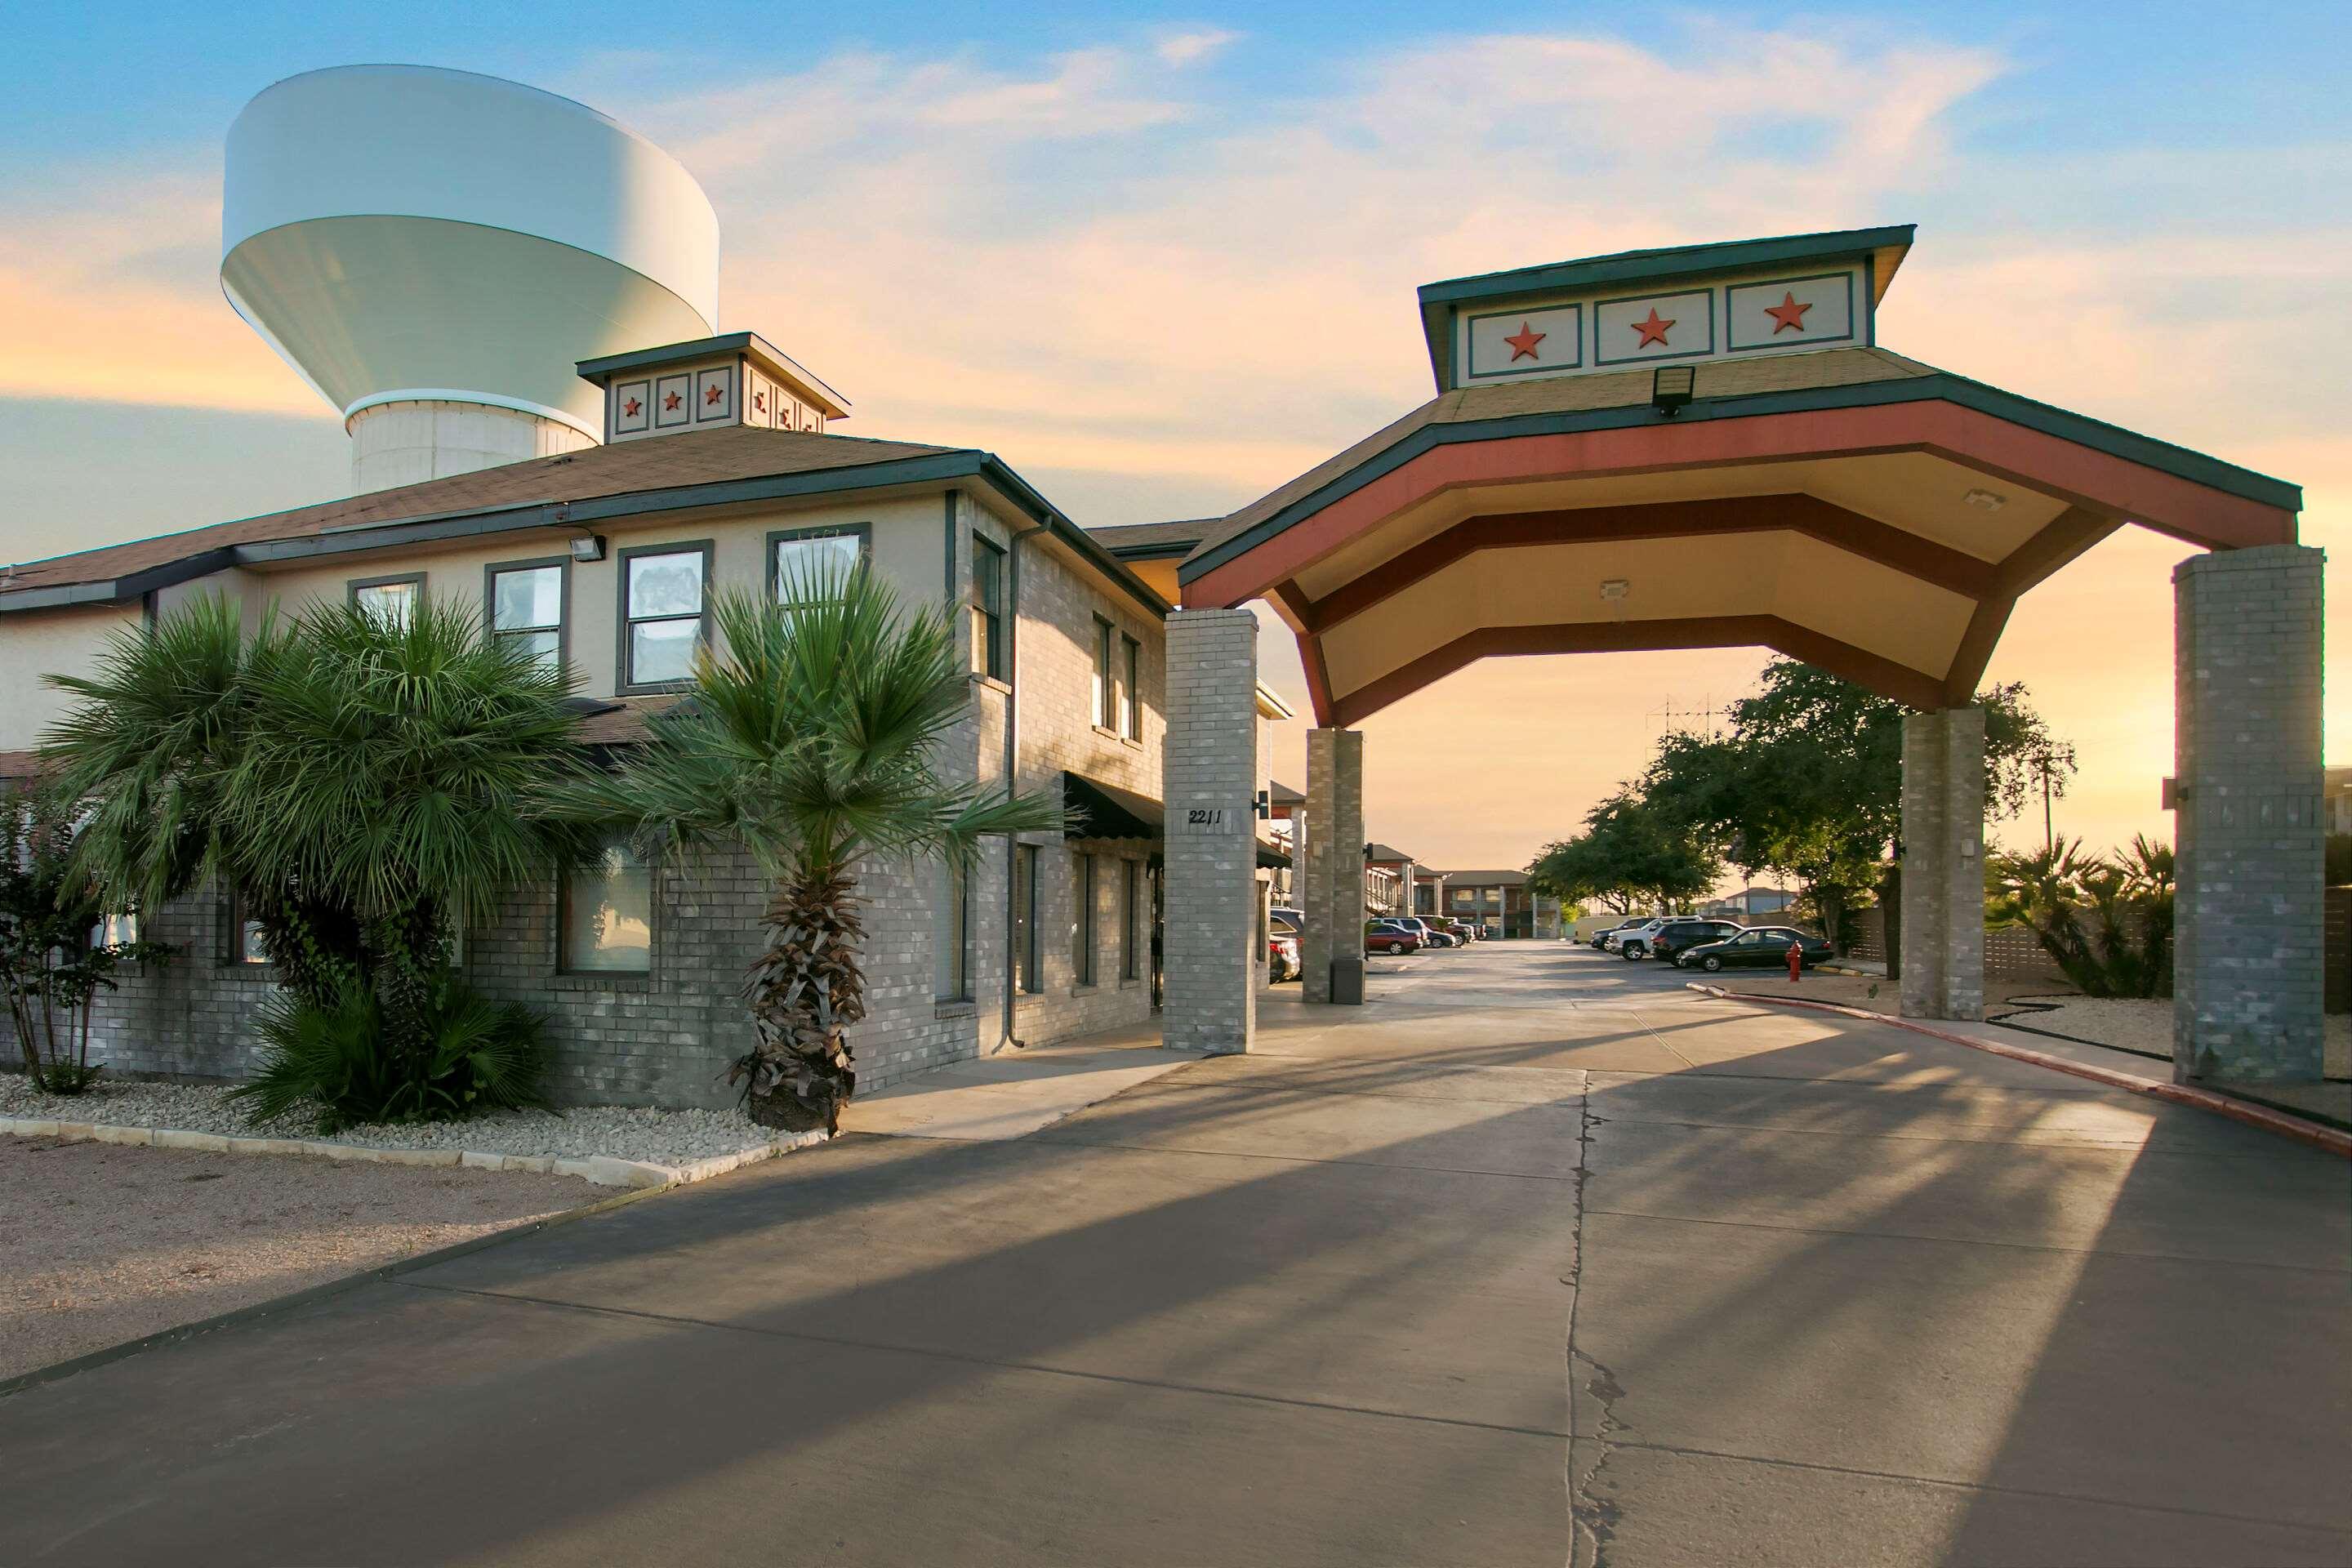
point(811, 738)
point(362, 784)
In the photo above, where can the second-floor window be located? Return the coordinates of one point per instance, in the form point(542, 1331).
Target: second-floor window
point(527, 608)
point(391, 600)
point(664, 593)
point(1104, 694)
point(1130, 675)
point(806, 554)
point(987, 607)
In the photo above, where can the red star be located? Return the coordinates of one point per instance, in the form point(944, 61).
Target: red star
point(1523, 343)
point(759, 401)
point(711, 396)
point(1653, 330)
point(670, 402)
point(631, 409)
point(1788, 313)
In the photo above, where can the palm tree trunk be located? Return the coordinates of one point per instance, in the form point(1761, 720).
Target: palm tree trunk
point(805, 992)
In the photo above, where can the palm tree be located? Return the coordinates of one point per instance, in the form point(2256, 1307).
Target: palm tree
point(362, 784)
point(811, 738)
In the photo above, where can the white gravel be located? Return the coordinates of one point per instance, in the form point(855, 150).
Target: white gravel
point(623, 1133)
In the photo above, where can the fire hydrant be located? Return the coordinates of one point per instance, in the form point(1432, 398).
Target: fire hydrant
point(1796, 960)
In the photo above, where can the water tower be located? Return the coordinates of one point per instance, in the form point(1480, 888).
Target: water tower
point(436, 250)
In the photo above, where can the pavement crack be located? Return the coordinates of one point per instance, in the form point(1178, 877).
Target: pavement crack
point(1593, 1393)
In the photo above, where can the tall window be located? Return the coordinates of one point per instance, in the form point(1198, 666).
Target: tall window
point(987, 607)
point(1025, 976)
point(1104, 631)
point(605, 914)
point(1130, 906)
point(954, 964)
point(797, 554)
point(663, 595)
point(1131, 676)
point(246, 943)
point(527, 608)
point(1082, 922)
point(391, 600)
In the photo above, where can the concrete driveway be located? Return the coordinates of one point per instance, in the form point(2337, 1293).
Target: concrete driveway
point(1536, 1254)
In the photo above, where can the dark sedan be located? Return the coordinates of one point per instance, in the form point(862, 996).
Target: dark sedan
point(1767, 948)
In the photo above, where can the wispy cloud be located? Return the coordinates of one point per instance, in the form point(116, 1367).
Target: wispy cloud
point(1192, 49)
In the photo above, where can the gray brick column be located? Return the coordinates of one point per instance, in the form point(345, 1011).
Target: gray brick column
point(1334, 862)
point(1943, 864)
point(1210, 999)
point(2247, 924)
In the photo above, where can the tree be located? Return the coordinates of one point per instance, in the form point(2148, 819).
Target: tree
point(1630, 853)
point(812, 742)
point(2106, 923)
point(56, 955)
point(363, 785)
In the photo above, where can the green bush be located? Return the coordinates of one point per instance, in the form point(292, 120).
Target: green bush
point(473, 1056)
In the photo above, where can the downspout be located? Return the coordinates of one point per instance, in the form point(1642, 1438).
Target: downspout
point(1011, 765)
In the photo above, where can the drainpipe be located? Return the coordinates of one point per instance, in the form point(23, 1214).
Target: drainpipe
point(1012, 763)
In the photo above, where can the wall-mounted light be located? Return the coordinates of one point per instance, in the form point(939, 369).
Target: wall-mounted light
point(1615, 588)
point(588, 547)
point(1671, 387)
point(1986, 500)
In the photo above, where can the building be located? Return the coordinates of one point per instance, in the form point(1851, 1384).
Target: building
point(1501, 901)
point(2337, 788)
point(1751, 903)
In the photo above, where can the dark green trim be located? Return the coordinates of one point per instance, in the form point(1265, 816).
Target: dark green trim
point(576, 515)
point(773, 586)
point(708, 549)
point(1654, 297)
point(1853, 327)
point(562, 564)
point(2178, 461)
point(602, 370)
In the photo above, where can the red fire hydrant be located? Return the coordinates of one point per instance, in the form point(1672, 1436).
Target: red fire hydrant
point(1796, 959)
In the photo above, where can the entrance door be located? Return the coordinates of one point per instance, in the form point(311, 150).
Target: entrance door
point(1159, 909)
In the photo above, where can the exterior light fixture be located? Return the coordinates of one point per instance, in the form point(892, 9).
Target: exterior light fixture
point(1986, 500)
point(1615, 588)
point(588, 547)
point(1671, 387)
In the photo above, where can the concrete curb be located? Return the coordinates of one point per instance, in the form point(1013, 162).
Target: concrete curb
point(601, 1169)
point(2326, 1139)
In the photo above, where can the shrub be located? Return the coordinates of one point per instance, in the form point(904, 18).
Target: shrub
point(472, 1056)
point(2106, 923)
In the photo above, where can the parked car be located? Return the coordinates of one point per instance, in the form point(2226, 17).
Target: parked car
point(1281, 957)
point(1463, 932)
point(1677, 937)
point(1432, 934)
point(1600, 938)
point(1634, 941)
point(1766, 947)
point(1387, 936)
point(1295, 918)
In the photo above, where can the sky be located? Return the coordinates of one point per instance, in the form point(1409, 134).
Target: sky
point(1162, 259)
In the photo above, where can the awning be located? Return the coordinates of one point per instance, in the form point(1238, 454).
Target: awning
point(1106, 811)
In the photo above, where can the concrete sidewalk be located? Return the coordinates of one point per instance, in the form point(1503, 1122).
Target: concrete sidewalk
point(1015, 1092)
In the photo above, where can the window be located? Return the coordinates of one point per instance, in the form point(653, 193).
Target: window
point(1025, 918)
point(1082, 922)
point(1104, 631)
point(954, 935)
point(246, 944)
point(1130, 710)
point(391, 600)
point(812, 554)
point(526, 601)
point(1130, 942)
point(606, 915)
point(987, 607)
point(663, 593)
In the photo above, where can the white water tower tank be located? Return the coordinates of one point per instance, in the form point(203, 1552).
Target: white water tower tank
point(435, 250)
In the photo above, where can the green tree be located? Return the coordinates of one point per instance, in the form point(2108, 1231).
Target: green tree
point(812, 739)
point(364, 785)
point(1630, 853)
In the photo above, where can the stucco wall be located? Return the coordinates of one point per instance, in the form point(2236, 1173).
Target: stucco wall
point(44, 642)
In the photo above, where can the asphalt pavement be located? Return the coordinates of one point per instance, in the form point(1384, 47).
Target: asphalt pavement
point(1535, 1256)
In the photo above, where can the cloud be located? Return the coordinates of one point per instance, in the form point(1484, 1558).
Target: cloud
point(1194, 47)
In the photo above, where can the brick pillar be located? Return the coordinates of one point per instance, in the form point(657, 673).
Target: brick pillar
point(2247, 921)
point(1943, 864)
point(1335, 857)
point(1210, 999)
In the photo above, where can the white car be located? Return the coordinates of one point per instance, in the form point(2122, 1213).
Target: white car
point(1633, 942)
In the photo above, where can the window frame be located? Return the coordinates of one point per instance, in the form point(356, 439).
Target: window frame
point(1131, 874)
point(706, 548)
point(1085, 946)
point(951, 980)
point(771, 570)
point(987, 654)
point(1103, 676)
point(411, 579)
point(561, 909)
point(236, 956)
point(1130, 707)
point(1026, 973)
point(562, 601)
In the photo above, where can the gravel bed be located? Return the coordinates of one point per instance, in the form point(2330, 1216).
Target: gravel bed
point(2141, 1024)
point(624, 1132)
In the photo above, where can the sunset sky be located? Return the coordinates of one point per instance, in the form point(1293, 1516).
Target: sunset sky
point(1162, 261)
